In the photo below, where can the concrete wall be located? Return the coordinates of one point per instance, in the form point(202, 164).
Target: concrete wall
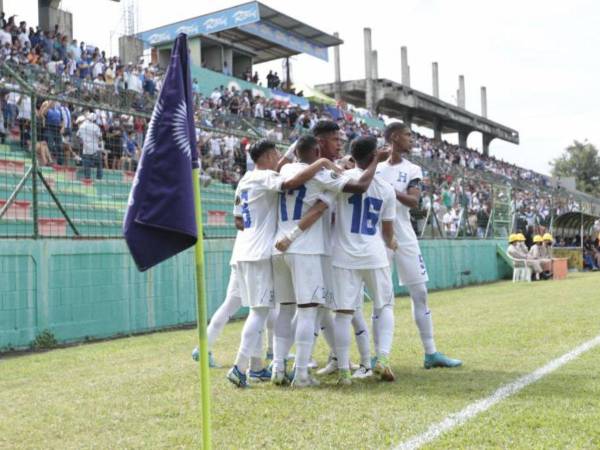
point(131, 49)
point(91, 289)
point(49, 16)
point(213, 58)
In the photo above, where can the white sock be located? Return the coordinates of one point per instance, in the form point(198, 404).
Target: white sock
point(256, 360)
point(374, 327)
point(284, 335)
point(270, 329)
point(305, 329)
point(361, 334)
point(385, 330)
point(250, 334)
point(342, 339)
point(325, 320)
point(422, 316)
point(220, 318)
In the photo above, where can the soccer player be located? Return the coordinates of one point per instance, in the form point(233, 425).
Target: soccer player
point(298, 274)
point(363, 229)
point(329, 138)
point(405, 177)
point(228, 308)
point(256, 196)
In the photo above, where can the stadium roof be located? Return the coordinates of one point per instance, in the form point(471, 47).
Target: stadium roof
point(254, 27)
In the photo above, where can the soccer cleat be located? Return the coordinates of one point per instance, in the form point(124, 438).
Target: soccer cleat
point(438, 359)
point(345, 379)
point(291, 374)
point(383, 369)
point(330, 368)
point(211, 360)
point(237, 377)
point(313, 364)
point(302, 382)
point(260, 375)
point(362, 372)
point(278, 378)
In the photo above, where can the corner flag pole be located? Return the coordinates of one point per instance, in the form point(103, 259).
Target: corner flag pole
point(202, 316)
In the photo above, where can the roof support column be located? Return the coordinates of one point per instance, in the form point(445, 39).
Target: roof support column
point(461, 97)
point(462, 138)
point(486, 140)
point(437, 130)
point(435, 80)
point(407, 118)
point(337, 70)
point(483, 101)
point(368, 70)
point(374, 67)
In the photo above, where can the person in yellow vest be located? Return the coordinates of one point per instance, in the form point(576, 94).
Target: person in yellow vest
point(517, 250)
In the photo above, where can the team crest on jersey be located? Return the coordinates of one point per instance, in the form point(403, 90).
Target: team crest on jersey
point(334, 175)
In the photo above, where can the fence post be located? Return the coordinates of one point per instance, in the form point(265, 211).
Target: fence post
point(34, 189)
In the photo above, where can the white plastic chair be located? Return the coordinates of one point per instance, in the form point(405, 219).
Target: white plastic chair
point(521, 271)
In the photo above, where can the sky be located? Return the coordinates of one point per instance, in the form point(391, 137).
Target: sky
point(538, 59)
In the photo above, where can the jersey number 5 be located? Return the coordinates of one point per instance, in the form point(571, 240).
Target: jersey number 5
point(365, 214)
point(297, 205)
point(246, 210)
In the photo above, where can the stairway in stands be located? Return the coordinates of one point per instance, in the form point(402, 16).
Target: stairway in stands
point(96, 207)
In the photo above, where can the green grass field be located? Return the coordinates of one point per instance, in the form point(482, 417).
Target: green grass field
point(142, 392)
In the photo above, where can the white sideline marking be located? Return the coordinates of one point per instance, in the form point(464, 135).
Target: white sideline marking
point(470, 411)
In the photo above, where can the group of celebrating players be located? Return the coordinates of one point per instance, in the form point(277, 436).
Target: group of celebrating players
point(315, 231)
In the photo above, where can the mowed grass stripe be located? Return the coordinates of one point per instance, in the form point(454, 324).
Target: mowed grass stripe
point(142, 392)
point(560, 411)
point(472, 410)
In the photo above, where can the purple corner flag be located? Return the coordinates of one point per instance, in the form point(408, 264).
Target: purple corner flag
point(160, 220)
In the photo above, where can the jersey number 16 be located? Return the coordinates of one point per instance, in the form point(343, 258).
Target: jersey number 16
point(365, 214)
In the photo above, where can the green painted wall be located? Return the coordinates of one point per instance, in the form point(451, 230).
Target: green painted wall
point(91, 289)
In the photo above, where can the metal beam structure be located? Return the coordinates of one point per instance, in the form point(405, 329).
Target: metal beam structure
point(397, 100)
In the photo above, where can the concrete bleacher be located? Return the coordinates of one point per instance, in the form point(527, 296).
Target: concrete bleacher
point(96, 207)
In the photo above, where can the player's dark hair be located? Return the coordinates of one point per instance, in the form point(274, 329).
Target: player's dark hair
point(362, 148)
point(260, 148)
point(305, 144)
point(392, 128)
point(325, 126)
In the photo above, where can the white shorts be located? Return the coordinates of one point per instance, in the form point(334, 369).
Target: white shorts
point(327, 280)
point(298, 279)
point(233, 287)
point(410, 265)
point(348, 287)
point(255, 283)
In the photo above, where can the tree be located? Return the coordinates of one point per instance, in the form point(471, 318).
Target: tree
point(582, 161)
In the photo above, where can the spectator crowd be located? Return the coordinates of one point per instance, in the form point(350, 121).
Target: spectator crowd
point(459, 182)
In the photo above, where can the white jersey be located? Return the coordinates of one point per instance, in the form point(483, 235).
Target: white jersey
point(294, 203)
point(237, 212)
point(357, 240)
point(256, 196)
point(400, 176)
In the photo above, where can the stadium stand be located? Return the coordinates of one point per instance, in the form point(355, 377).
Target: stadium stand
point(468, 194)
